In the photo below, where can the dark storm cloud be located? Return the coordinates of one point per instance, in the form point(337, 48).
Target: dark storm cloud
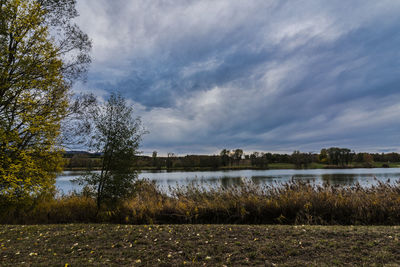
point(260, 75)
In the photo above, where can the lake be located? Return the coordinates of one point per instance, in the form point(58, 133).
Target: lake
point(365, 177)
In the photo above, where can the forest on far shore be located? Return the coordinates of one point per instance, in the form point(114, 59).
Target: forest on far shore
point(236, 159)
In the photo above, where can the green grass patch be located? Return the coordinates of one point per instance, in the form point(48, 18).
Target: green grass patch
point(388, 164)
point(281, 166)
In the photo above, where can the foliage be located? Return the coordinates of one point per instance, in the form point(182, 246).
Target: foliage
point(116, 135)
point(301, 159)
point(41, 53)
point(225, 157)
point(237, 155)
point(259, 160)
point(82, 161)
point(339, 156)
point(336, 158)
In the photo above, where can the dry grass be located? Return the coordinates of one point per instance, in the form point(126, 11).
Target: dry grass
point(293, 203)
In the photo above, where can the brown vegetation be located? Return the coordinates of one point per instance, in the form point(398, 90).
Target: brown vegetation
point(292, 203)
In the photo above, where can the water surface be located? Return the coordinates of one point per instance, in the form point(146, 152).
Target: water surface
point(365, 177)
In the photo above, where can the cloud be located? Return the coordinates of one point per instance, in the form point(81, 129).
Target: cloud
point(260, 75)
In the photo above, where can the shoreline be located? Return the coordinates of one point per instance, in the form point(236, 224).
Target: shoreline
point(275, 166)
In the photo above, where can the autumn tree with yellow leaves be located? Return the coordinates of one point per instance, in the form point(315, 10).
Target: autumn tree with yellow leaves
point(42, 53)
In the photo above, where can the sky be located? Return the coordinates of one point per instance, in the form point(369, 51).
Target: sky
point(261, 75)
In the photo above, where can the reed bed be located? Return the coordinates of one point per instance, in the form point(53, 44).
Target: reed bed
point(295, 202)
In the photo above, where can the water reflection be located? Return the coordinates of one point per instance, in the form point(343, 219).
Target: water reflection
point(167, 180)
point(339, 179)
point(227, 181)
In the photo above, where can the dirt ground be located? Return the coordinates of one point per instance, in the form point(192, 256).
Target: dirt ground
point(198, 245)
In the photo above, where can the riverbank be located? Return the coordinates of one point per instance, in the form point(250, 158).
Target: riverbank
point(295, 202)
point(211, 245)
point(271, 166)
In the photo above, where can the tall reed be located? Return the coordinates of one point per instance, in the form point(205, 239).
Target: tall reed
point(295, 202)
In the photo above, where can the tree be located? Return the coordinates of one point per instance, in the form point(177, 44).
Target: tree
point(237, 155)
point(259, 159)
point(339, 156)
point(41, 53)
point(253, 158)
point(225, 157)
point(297, 159)
point(154, 157)
point(368, 160)
point(301, 159)
point(169, 163)
point(323, 156)
point(116, 134)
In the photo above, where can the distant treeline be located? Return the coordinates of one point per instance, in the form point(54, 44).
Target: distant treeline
point(333, 157)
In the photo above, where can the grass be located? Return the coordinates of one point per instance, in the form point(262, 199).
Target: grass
point(296, 202)
point(313, 165)
point(281, 166)
point(390, 164)
point(198, 245)
point(157, 242)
